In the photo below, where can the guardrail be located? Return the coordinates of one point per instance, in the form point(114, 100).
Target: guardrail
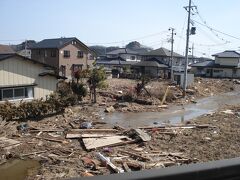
point(228, 169)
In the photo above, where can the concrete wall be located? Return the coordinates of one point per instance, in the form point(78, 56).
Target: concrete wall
point(228, 61)
point(14, 71)
point(190, 79)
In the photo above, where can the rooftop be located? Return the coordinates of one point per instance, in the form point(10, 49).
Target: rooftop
point(227, 54)
point(162, 52)
point(122, 51)
point(5, 49)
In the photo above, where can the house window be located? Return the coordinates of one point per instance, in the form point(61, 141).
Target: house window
point(80, 54)
point(45, 53)
point(132, 57)
point(66, 53)
point(91, 57)
point(76, 67)
point(16, 93)
point(53, 53)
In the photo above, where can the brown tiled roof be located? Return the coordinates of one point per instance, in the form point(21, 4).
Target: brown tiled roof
point(5, 49)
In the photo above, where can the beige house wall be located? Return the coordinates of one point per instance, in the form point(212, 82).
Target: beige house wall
point(227, 61)
point(73, 59)
point(14, 72)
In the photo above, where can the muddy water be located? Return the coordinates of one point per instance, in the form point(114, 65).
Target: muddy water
point(17, 169)
point(174, 114)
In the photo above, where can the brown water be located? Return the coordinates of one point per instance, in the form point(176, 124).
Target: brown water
point(17, 169)
point(175, 114)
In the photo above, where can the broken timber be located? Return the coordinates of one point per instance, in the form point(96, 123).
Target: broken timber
point(76, 136)
point(93, 143)
point(144, 136)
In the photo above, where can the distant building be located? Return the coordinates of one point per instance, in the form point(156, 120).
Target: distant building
point(225, 65)
point(22, 78)
point(152, 68)
point(119, 59)
point(5, 49)
point(23, 49)
point(164, 55)
point(68, 55)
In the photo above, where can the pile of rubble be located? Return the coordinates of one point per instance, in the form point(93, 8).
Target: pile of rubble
point(68, 146)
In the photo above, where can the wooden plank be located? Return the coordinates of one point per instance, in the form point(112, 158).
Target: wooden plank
point(51, 139)
point(7, 143)
point(126, 168)
point(135, 155)
point(93, 143)
point(94, 130)
point(76, 136)
point(144, 136)
point(164, 97)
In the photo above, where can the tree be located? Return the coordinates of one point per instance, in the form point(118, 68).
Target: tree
point(96, 77)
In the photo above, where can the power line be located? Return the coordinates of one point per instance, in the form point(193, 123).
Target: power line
point(134, 39)
point(217, 30)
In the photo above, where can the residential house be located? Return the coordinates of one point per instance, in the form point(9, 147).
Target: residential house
point(5, 49)
point(225, 65)
point(151, 67)
point(24, 78)
point(164, 55)
point(125, 54)
point(68, 55)
point(119, 59)
point(23, 49)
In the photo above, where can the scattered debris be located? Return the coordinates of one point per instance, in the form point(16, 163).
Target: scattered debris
point(107, 162)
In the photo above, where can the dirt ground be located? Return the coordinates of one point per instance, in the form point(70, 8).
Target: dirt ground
point(120, 90)
point(209, 137)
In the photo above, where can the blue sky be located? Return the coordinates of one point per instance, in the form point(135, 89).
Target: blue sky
point(114, 22)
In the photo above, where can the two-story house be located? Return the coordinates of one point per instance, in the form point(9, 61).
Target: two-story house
point(225, 65)
point(164, 55)
point(66, 54)
point(119, 59)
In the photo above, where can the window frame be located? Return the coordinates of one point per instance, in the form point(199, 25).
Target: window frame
point(14, 97)
point(80, 54)
point(66, 55)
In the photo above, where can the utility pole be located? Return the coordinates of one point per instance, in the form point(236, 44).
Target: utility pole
point(172, 41)
point(192, 52)
point(25, 48)
point(189, 9)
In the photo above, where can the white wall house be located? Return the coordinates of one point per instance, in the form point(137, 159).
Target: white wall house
point(226, 65)
point(24, 78)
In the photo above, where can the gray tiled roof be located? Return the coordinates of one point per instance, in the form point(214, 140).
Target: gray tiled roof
point(161, 52)
point(53, 43)
point(203, 64)
point(150, 64)
point(122, 51)
point(115, 62)
point(227, 54)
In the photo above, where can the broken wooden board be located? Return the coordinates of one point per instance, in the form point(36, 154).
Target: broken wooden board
point(94, 130)
point(7, 143)
point(93, 143)
point(143, 135)
point(76, 136)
